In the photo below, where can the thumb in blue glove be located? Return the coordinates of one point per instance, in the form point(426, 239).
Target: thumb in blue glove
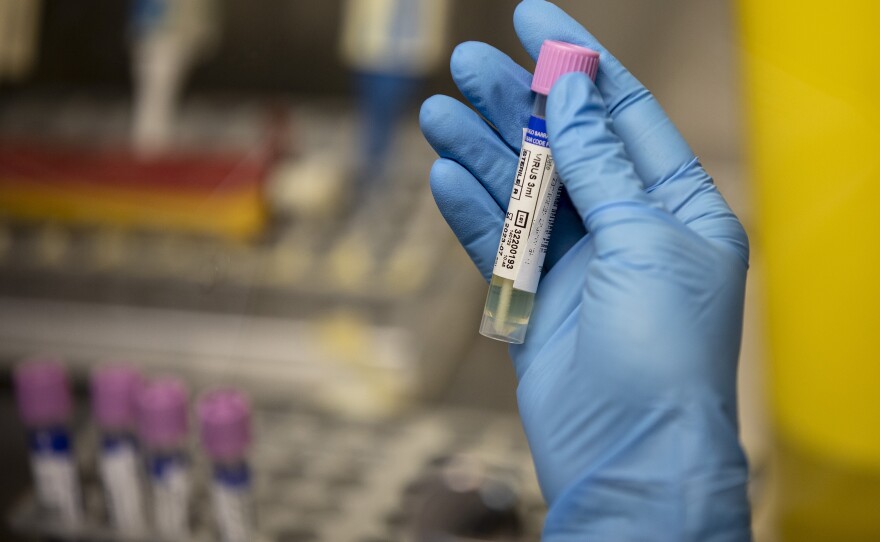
point(627, 378)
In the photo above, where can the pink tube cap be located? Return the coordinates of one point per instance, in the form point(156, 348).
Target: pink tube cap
point(42, 392)
point(114, 391)
point(225, 419)
point(558, 58)
point(162, 413)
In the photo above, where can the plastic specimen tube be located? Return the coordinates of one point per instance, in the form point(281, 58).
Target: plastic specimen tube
point(163, 426)
point(225, 423)
point(44, 404)
point(113, 392)
point(532, 207)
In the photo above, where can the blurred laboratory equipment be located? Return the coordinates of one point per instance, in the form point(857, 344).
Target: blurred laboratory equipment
point(114, 389)
point(812, 143)
point(462, 498)
point(163, 429)
point(45, 406)
point(61, 163)
point(229, 245)
point(225, 429)
point(19, 38)
point(157, 259)
point(311, 475)
point(391, 46)
point(233, 248)
point(168, 37)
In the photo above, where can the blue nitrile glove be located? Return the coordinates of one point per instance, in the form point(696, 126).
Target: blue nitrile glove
point(627, 378)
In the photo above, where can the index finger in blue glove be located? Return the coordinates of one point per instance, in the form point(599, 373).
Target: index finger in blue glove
point(660, 155)
point(456, 132)
point(471, 212)
point(496, 86)
point(590, 158)
point(652, 142)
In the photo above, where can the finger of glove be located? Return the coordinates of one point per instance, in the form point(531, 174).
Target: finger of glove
point(653, 143)
point(496, 86)
point(472, 214)
point(590, 158)
point(661, 156)
point(693, 198)
point(499, 89)
point(456, 132)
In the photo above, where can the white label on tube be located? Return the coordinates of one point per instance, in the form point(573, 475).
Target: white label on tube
point(232, 509)
point(120, 471)
point(57, 486)
point(530, 214)
point(171, 487)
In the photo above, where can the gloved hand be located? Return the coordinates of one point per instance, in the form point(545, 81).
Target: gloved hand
point(627, 378)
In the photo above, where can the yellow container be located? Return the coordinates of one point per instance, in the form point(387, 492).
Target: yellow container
point(812, 83)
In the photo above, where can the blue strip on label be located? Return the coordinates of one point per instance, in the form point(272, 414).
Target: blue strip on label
point(112, 443)
point(536, 133)
point(160, 465)
point(50, 441)
point(238, 475)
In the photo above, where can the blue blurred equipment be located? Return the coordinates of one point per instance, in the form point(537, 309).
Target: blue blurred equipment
point(627, 380)
point(391, 46)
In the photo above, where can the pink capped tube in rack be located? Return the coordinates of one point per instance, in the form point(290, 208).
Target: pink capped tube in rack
point(163, 428)
point(114, 389)
point(42, 392)
point(225, 428)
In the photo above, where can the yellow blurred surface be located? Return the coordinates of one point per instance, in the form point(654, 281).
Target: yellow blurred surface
point(819, 500)
point(237, 215)
point(813, 74)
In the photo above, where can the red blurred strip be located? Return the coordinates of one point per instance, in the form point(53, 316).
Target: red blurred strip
point(185, 171)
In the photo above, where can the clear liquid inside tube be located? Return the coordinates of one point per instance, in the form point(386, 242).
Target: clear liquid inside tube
point(508, 310)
